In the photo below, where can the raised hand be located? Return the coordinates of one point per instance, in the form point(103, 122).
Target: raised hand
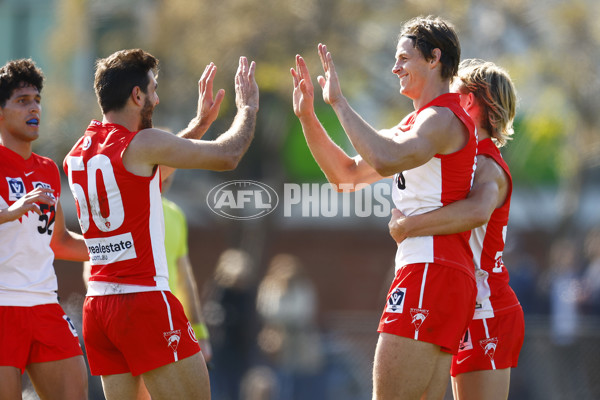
point(330, 84)
point(304, 93)
point(208, 108)
point(246, 89)
point(28, 203)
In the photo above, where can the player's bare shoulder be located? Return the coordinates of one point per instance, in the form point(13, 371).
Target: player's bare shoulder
point(145, 149)
point(444, 128)
point(490, 170)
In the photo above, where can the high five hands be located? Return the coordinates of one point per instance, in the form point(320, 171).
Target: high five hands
point(303, 97)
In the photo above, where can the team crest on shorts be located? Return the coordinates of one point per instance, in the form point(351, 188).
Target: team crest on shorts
point(489, 346)
point(395, 303)
point(418, 316)
point(173, 338)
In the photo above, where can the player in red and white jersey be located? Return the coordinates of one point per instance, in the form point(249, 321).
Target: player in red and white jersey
point(444, 179)
point(136, 334)
point(36, 334)
point(491, 345)
point(432, 153)
point(123, 222)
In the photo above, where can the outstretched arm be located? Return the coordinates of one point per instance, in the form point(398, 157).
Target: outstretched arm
point(153, 147)
point(489, 191)
point(338, 167)
point(389, 154)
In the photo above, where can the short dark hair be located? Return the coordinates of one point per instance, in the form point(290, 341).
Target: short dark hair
point(428, 33)
point(17, 74)
point(117, 75)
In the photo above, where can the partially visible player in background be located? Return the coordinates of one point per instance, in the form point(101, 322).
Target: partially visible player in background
point(181, 275)
point(491, 345)
point(35, 333)
point(136, 334)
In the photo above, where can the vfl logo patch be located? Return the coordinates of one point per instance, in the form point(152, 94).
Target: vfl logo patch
point(489, 346)
point(395, 303)
point(173, 338)
point(418, 317)
point(16, 188)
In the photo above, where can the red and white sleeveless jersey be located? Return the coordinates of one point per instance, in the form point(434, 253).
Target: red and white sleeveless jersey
point(487, 243)
point(442, 180)
point(27, 275)
point(120, 214)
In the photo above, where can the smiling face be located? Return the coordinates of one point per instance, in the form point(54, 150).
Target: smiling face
point(411, 67)
point(20, 116)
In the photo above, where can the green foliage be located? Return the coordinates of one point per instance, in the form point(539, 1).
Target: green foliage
point(296, 157)
point(534, 154)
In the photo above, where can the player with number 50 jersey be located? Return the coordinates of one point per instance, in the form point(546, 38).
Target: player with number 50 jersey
point(136, 333)
point(120, 214)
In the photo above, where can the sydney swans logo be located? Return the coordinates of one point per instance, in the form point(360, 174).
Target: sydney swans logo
point(242, 199)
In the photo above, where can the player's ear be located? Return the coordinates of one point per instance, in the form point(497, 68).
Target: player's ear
point(136, 96)
point(436, 55)
point(471, 100)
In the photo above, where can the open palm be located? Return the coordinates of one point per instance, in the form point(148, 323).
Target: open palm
point(329, 83)
point(304, 95)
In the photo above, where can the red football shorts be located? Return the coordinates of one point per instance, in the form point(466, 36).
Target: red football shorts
point(36, 334)
point(492, 343)
point(431, 303)
point(135, 332)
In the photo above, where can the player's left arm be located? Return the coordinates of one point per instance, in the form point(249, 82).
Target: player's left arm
point(67, 245)
point(490, 188)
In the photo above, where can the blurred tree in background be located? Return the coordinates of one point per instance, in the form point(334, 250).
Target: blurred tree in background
point(551, 48)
